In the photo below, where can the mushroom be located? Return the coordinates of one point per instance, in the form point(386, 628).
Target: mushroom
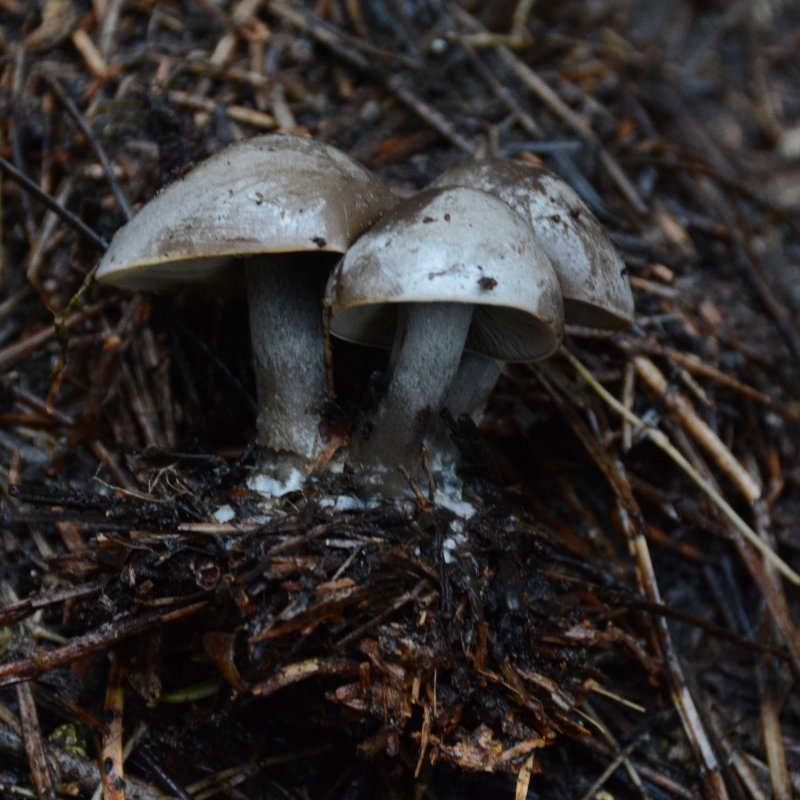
point(278, 207)
point(590, 272)
point(447, 269)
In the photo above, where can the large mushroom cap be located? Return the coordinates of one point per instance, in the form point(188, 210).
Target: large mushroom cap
point(590, 271)
point(271, 193)
point(456, 246)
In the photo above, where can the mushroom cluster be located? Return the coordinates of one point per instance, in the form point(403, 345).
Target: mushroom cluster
point(280, 209)
point(482, 268)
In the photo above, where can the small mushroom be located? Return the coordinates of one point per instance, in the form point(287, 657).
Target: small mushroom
point(277, 207)
point(447, 269)
point(590, 272)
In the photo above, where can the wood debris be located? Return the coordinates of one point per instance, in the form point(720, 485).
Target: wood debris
point(613, 619)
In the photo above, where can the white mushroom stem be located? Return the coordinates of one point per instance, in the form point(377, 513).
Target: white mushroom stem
point(428, 344)
point(288, 356)
point(467, 394)
point(469, 390)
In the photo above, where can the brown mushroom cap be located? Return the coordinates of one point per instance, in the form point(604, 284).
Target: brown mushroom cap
point(271, 193)
point(590, 271)
point(451, 246)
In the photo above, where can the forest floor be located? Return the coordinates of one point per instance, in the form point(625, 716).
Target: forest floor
point(619, 615)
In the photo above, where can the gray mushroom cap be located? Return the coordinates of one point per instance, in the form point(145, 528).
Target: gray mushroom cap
point(453, 245)
point(590, 271)
point(268, 194)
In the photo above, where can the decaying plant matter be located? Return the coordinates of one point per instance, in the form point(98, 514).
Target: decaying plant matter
point(593, 616)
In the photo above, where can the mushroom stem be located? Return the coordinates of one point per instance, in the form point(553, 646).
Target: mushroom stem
point(469, 390)
point(467, 394)
point(429, 340)
point(288, 357)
